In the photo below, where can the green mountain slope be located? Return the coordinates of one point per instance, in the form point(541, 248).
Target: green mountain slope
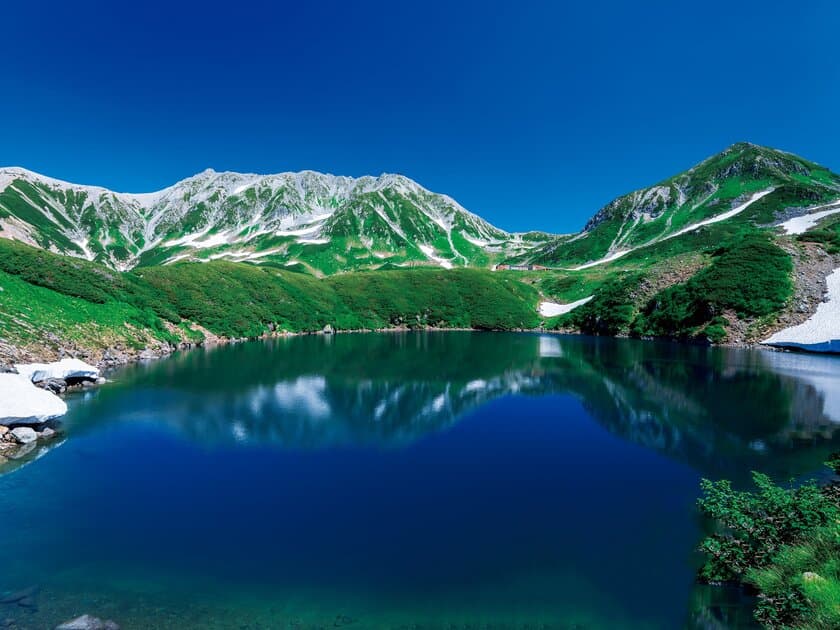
point(745, 184)
point(51, 303)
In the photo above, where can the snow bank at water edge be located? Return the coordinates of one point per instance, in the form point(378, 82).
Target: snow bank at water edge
point(821, 332)
point(64, 369)
point(800, 225)
point(21, 403)
point(552, 309)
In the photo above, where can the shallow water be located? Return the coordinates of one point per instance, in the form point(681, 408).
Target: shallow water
point(429, 480)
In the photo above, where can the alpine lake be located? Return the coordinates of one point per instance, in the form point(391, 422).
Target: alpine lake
point(406, 480)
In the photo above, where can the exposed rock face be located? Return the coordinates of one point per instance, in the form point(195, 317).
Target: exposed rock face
point(23, 404)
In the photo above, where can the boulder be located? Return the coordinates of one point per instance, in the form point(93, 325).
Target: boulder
point(55, 385)
point(66, 369)
point(87, 622)
point(328, 330)
point(47, 433)
point(22, 404)
point(24, 435)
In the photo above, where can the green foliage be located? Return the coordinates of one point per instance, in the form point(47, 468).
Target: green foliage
point(801, 586)
point(783, 542)
point(827, 234)
point(750, 276)
point(610, 311)
point(245, 300)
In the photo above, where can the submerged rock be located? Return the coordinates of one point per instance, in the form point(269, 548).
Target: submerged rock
point(21, 403)
point(88, 622)
point(16, 596)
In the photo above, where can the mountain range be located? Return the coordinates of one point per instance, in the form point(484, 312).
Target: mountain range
point(326, 224)
point(736, 249)
point(322, 223)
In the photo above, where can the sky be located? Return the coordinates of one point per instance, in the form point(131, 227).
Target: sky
point(531, 114)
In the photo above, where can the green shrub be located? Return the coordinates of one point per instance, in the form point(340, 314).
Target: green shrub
point(610, 311)
point(783, 542)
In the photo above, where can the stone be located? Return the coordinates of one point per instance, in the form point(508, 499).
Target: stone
point(3, 430)
point(328, 330)
point(810, 576)
point(47, 433)
point(87, 622)
point(54, 385)
point(24, 435)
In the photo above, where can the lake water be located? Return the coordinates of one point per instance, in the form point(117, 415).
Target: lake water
point(429, 480)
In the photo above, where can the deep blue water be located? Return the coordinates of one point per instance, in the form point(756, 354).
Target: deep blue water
point(412, 480)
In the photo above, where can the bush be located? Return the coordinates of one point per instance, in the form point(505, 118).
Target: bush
point(783, 542)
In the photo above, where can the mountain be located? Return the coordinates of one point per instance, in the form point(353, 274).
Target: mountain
point(745, 183)
point(323, 223)
point(736, 249)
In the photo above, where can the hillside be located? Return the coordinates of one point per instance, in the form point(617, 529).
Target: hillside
point(52, 304)
point(321, 222)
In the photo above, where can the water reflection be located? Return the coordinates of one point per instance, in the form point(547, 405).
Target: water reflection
point(720, 410)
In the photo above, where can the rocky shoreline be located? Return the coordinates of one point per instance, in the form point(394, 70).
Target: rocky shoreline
point(31, 409)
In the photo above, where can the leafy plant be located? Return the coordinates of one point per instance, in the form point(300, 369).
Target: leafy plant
point(784, 542)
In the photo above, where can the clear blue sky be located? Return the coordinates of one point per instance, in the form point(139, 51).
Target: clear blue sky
point(532, 114)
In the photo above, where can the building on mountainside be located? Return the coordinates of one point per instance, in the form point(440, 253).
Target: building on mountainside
point(504, 267)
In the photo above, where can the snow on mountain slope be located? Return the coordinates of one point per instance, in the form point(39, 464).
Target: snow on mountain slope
point(329, 222)
point(720, 188)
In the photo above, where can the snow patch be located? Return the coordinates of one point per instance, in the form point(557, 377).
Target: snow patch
point(66, 368)
point(429, 251)
point(553, 309)
point(606, 259)
point(800, 225)
point(724, 215)
point(23, 403)
point(820, 332)
point(313, 241)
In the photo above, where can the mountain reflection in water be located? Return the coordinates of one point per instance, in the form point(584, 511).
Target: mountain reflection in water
point(720, 410)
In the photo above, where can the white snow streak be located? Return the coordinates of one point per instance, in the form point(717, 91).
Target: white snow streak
point(553, 309)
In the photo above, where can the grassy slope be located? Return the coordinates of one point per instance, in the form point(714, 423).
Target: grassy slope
point(48, 299)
